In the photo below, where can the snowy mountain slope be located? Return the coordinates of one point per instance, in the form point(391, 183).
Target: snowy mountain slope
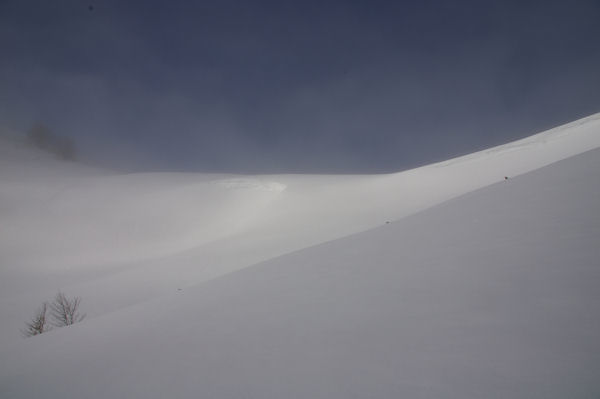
point(493, 294)
point(140, 236)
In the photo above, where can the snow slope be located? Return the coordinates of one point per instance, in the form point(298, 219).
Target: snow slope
point(493, 294)
point(117, 240)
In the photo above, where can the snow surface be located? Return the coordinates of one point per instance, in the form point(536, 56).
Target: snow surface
point(492, 294)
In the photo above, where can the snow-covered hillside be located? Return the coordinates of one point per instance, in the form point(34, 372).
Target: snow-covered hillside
point(489, 294)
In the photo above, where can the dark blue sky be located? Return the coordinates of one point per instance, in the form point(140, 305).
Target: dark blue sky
point(280, 86)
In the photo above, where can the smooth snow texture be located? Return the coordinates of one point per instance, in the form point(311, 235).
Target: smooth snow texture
point(494, 294)
point(117, 240)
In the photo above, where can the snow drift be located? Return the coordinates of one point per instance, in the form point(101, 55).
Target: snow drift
point(490, 294)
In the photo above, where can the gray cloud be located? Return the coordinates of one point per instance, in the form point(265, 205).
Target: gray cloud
point(283, 86)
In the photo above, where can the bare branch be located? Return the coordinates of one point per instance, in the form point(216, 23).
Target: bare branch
point(65, 311)
point(38, 324)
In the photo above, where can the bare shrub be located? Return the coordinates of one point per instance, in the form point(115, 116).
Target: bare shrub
point(38, 324)
point(65, 311)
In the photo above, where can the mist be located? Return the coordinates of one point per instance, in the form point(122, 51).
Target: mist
point(272, 87)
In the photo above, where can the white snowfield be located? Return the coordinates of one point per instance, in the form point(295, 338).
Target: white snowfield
point(491, 294)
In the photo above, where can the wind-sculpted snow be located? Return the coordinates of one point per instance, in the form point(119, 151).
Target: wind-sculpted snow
point(182, 229)
point(118, 240)
point(490, 295)
point(567, 140)
point(251, 184)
